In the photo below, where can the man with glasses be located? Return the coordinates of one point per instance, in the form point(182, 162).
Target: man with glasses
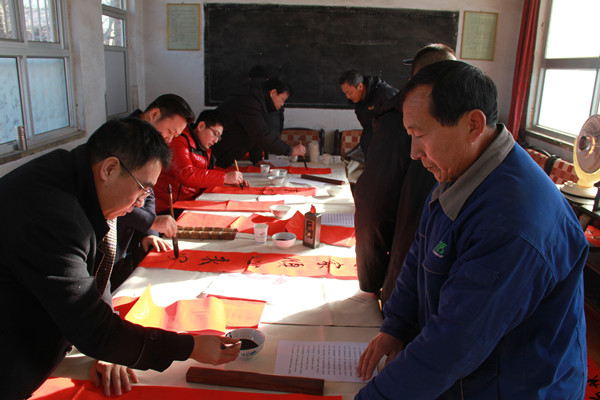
point(193, 165)
point(59, 207)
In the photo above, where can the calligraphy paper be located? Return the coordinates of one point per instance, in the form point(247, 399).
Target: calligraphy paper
point(332, 361)
point(592, 389)
point(263, 263)
point(194, 316)
point(242, 224)
point(334, 235)
point(200, 205)
point(73, 389)
point(291, 170)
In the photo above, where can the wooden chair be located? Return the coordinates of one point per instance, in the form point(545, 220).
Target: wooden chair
point(346, 140)
point(563, 171)
point(294, 135)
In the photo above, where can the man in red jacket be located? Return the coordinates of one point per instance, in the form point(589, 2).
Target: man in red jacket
point(193, 165)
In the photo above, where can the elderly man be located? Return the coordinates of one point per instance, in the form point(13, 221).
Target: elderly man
point(62, 211)
point(489, 302)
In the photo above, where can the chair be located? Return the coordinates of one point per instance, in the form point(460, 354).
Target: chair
point(541, 158)
point(563, 171)
point(294, 135)
point(346, 140)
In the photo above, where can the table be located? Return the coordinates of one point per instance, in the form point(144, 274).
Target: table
point(298, 308)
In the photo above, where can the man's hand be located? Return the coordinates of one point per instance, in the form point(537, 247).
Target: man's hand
point(165, 224)
point(298, 150)
point(235, 178)
point(208, 349)
point(380, 345)
point(157, 243)
point(105, 374)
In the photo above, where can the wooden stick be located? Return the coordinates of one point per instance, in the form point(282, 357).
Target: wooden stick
point(175, 241)
point(253, 380)
point(238, 170)
point(321, 179)
point(304, 157)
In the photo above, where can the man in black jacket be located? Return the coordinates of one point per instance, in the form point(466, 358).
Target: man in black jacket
point(246, 129)
point(59, 206)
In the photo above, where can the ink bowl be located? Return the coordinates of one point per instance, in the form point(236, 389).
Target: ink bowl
point(280, 210)
point(252, 340)
point(333, 190)
point(277, 172)
point(276, 180)
point(283, 240)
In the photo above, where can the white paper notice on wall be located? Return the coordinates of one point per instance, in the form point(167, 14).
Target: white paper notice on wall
point(331, 361)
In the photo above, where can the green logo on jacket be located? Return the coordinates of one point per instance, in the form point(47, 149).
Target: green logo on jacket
point(440, 249)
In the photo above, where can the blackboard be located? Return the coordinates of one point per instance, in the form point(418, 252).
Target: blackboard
point(310, 46)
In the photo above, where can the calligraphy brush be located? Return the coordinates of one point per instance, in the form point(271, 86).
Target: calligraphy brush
point(175, 241)
point(238, 170)
point(304, 157)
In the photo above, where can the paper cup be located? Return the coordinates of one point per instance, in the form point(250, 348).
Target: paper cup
point(260, 233)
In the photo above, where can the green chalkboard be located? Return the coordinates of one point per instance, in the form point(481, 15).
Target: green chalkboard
point(310, 46)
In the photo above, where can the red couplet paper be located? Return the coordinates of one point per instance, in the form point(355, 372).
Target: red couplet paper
point(208, 315)
point(335, 235)
point(592, 389)
point(72, 389)
point(197, 219)
point(263, 263)
point(242, 224)
point(200, 205)
point(269, 190)
point(291, 170)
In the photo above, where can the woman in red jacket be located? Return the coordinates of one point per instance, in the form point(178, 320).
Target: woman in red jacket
point(193, 165)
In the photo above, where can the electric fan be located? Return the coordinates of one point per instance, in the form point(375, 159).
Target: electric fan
point(586, 159)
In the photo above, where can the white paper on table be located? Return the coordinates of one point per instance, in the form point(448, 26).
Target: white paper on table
point(309, 182)
point(279, 162)
point(338, 219)
point(287, 199)
point(332, 361)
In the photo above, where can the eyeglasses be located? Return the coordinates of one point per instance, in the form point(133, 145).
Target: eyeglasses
point(145, 191)
point(215, 133)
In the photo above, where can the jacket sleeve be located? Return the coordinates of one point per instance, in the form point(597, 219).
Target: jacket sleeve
point(190, 173)
point(252, 118)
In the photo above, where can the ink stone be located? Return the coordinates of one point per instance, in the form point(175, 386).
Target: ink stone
point(248, 344)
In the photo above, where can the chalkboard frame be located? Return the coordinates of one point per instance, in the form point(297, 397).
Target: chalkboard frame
point(310, 46)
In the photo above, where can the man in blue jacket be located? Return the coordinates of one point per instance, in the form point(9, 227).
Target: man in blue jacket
point(489, 301)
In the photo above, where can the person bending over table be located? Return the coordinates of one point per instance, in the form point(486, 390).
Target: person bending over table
point(246, 129)
point(193, 165)
point(139, 230)
point(489, 301)
point(51, 289)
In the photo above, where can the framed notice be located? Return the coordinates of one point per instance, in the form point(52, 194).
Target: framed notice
point(479, 35)
point(183, 26)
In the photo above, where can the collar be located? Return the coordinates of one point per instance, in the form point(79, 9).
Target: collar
point(453, 195)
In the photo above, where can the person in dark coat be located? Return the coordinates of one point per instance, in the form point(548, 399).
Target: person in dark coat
point(60, 204)
point(246, 129)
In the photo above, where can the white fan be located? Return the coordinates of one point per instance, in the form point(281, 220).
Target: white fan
point(586, 158)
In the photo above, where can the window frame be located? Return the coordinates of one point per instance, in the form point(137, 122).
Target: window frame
point(540, 65)
point(21, 49)
point(119, 13)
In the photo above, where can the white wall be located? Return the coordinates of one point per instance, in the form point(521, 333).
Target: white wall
point(182, 72)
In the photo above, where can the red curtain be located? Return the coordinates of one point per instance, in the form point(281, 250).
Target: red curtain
point(523, 64)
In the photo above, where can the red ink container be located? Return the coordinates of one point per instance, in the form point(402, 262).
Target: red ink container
point(312, 228)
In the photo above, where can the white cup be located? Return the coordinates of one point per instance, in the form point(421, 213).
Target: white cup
point(264, 169)
point(313, 151)
point(326, 158)
point(260, 233)
point(336, 159)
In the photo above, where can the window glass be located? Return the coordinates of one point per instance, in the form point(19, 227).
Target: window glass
point(40, 20)
point(7, 20)
point(114, 3)
point(113, 29)
point(566, 99)
point(573, 33)
point(48, 91)
point(10, 100)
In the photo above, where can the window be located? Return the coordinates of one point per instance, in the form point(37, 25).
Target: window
point(35, 84)
point(568, 84)
point(114, 18)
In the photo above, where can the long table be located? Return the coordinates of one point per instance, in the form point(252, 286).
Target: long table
point(297, 308)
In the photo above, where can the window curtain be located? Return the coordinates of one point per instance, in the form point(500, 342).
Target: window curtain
point(523, 64)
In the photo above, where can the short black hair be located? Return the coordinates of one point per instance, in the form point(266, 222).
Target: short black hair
point(431, 53)
point(171, 105)
point(351, 77)
point(210, 118)
point(279, 85)
point(134, 141)
point(456, 88)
